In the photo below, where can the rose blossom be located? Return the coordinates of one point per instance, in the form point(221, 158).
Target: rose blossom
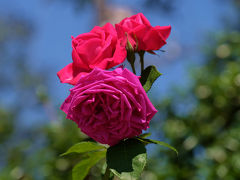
point(109, 106)
point(138, 30)
point(98, 48)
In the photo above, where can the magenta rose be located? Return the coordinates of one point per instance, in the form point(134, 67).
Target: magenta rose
point(142, 36)
point(109, 106)
point(98, 48)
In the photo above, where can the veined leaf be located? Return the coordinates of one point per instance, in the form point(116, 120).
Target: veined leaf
point(80, 170)
point(149, 141)
point(144, 135)
point(138, 164)
point(127, 159)
point(148, 76)
point(83, 147)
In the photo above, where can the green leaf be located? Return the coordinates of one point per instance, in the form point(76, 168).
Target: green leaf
point(83, 147)
point(127, 159)
point(148, 76)
point(138, 163)
point(149, 141)
point(80, 170)
point(144, 135)
point(152, 52)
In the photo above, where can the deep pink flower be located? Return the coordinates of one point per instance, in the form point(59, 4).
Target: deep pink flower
point(138, 30)
point(98, 48)
point(109, 106)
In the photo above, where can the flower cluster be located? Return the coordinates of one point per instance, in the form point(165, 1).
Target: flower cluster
point(110, 106)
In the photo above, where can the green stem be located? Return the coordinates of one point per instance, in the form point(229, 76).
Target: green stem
point(141, 55)
point(107, 174)
point(133, 68)
point(131, 60)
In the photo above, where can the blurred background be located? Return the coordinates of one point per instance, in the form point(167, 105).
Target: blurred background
point(197, 96)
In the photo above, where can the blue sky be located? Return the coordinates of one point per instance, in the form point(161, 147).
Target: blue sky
point(54, 22)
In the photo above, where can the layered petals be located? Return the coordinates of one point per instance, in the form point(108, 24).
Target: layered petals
point(99, 48)
point(109, 106)
point(142, 36)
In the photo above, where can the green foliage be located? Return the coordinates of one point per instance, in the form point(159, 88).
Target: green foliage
point(144, 135)
point(207, 134)
point(127, 159)
point(83, 147)
point(150, 141)
point(6, 126)
point(148, 76)
point(138, 164)
point(204, 123)
point(95, 153)
point(81, 170)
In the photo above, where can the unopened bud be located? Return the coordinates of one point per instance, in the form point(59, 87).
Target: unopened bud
point(129, 46)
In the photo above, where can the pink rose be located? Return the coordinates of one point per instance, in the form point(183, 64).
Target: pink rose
point(98, 48)
point(140, 33)
point(109, 106)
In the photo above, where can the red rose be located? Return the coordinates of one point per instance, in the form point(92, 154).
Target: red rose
point(98, 48)
point(109, 106)
point(142, 36)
